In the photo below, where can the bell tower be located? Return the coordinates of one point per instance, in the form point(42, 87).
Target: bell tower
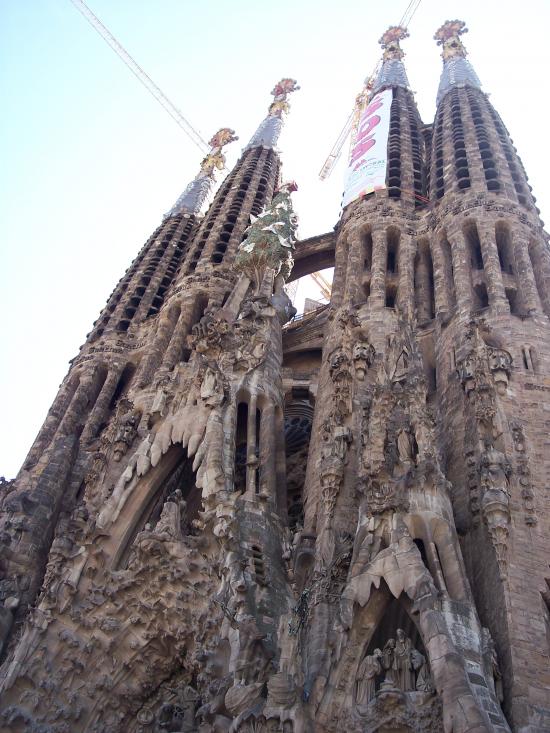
point(491, 269)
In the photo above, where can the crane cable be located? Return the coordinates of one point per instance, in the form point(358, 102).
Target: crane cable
point(138, 72)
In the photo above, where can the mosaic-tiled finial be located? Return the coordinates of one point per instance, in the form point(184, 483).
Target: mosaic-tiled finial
point(390, 42)
point(448, 36)
point(196, 193)
point(280, 91)
point(215, 158)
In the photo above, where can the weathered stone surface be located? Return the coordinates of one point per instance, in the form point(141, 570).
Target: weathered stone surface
point(233, 523)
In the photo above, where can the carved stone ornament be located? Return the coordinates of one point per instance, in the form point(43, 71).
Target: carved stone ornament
point(522, 462)
point(495, 501)
point(500, 364)
point(363, 357)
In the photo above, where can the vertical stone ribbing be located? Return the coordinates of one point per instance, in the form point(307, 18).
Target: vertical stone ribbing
point(378, 276)
point(443, 276)
point(100, 410)
point(246, 191)
point(491, 264)
point(406, 278)
point(141, 292)
point(525, 274)
point(515, 166)
point(437, 172)
point(461, 269)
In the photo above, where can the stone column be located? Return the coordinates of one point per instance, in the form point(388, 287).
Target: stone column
point(267, 451)
point(101, 407)
point(525, 277)
point(405, 288)
point(540, 260)
point(378, 276)
point(79, 403)
point(461, 268)
point(442, 286)
point(168, 319)
point(340, 267)
point(53, 420)
point(354, 270)
point(175, 347)
point(493, 271)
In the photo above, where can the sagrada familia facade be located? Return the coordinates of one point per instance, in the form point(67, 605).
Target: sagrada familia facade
point(235, 520)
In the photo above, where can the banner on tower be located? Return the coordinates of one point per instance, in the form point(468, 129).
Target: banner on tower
point(369, 153)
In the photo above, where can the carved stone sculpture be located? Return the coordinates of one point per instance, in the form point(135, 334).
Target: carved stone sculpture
point(369, 669)
point(495, 501)
point(402, 662)
point(126, 433)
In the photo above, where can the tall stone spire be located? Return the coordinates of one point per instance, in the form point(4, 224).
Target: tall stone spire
point(269, 130)
point(244, 193)
point(194, 196)
point(392, 72)
point(405, 169)
point(457, 70)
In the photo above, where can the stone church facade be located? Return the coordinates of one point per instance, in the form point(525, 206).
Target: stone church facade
point(236, 520)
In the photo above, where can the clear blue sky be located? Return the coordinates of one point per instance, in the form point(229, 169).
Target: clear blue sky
point(90, 162)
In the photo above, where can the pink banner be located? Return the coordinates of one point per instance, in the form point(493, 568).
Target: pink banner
point(369, 154)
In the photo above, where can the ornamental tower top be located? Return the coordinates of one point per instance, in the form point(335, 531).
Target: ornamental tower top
point(457, 70)
point(270, 128)
point(392, 72)
point(194, 196)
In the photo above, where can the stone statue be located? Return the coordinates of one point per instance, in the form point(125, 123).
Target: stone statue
point(407, 448)
point(212, 391)
point(368, 541)
point(252, 657)
point(495, 501)
point(369, 669)
point(168, 526)
point(126, 433)
point(420, 666)
point(388, 662)
point(404, 673)
point(341, 438)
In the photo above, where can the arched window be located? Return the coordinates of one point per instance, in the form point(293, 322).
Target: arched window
point(298, 419)
point(123, 384)
point(504, 247)
point(241, 442)
point(474, 245)
point(481, 298)
point(448, 269)
point(366, 240)
point(424, 283)
point(178, 485)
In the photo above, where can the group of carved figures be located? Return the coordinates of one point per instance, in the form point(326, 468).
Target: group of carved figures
point(398, 665)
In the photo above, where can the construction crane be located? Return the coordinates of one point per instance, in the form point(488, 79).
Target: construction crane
point(323, 284)
point(334, 155)
point(147, 82)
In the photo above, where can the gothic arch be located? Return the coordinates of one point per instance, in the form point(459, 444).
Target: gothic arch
point(143, 504)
